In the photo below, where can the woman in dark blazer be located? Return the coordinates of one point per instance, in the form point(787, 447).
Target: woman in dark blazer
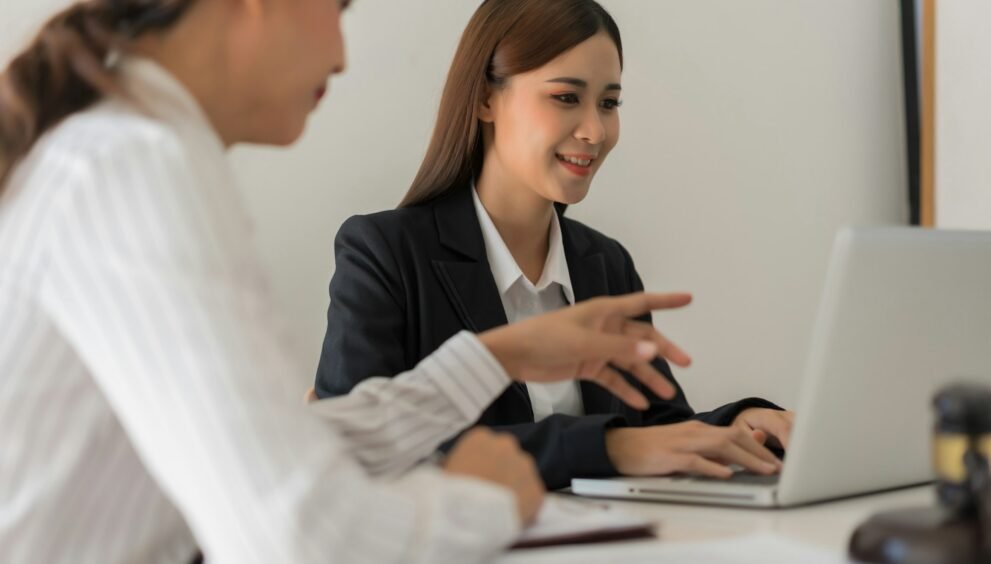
point(529, 114)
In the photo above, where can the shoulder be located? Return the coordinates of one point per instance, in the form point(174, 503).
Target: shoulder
point(388, 245)
point(390, 224)
point(397, 228)
point(113, 130)
point(103, 149)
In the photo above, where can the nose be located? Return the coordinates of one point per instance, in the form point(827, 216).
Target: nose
point(591, 130)
point(339, 51)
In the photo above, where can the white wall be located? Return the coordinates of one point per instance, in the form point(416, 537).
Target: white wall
point(751, 130)
point(963, 114)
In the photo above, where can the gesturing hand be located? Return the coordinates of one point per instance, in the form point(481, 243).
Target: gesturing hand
point(588, 340)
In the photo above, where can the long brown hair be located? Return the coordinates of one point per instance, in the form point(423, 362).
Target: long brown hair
point(503, 38)
point(65, 69)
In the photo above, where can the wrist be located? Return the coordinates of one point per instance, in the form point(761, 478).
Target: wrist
point(621, 449)
point(500, 343)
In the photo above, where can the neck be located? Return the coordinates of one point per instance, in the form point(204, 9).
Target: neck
point(191, 53)
point(522, 217)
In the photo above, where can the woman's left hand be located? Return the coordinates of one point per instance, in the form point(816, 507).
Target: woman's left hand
point(772, 425)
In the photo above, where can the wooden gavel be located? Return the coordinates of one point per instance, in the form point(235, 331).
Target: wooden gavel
point(958, 530)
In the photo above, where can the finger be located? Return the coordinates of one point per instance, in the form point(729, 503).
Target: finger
point(613, 381)
point(654, 380)
point(588, 370)
point(751, 444)
point(635, 305)
point(761, 462)
point(777, 425)
point(595, 346)
point(697, 464)
point(757, 434)
point(665, 347)
point(736, 454)
point(783, 431)
point(649, 343)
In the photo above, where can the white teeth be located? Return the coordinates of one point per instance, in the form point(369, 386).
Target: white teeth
point(574, 161)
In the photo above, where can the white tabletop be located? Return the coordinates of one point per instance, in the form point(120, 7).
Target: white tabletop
point(825, 527)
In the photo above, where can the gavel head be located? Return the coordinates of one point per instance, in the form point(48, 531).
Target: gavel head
point(962, 443)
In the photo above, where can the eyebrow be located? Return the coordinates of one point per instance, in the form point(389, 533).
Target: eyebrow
point(581, 83)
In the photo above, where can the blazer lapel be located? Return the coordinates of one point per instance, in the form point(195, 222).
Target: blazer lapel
point(468, 280)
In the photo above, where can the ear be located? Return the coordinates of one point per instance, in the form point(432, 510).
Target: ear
point(486, 114)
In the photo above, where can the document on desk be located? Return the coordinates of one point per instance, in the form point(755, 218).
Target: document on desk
point(566, 521)
point(756, 548)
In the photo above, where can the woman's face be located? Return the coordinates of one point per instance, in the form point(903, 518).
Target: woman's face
point(551, 129)
point(283, 57)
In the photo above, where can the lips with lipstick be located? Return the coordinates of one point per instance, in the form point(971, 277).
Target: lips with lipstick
point(579, 165)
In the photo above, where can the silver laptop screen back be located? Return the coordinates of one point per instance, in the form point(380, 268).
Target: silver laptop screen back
point(903, 312)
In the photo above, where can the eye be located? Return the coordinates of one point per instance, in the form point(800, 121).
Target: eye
point(611, 103)
point(569, 98)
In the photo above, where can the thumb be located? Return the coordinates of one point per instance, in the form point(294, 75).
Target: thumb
point(759, 436)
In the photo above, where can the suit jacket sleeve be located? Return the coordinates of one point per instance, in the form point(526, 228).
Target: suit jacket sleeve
point(566, 447)
point(366, 319)
point(676, 410)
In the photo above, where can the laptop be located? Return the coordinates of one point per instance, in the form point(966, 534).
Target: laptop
point(904, 311)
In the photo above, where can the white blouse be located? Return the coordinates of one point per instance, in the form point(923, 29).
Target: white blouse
point(521, 299)
point(145, 398)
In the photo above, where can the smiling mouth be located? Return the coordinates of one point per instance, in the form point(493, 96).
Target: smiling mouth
point(580, 162)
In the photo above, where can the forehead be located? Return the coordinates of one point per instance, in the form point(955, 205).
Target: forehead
point(595, 60)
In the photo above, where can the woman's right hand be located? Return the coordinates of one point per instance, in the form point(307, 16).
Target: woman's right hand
point(498, 459)
point(691, 447)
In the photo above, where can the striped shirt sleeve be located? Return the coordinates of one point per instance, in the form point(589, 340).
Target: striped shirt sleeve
point(152, 281)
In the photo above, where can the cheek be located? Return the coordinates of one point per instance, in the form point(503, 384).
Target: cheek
point(322, 28)
point(612, 133)
point(542, 130)
point(520, 137)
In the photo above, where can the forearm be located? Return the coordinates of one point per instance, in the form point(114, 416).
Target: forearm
point(393, 423)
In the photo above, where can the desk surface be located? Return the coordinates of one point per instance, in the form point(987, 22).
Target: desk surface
point(823, 525)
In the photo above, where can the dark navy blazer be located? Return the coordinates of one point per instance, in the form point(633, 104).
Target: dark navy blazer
point(409, 279)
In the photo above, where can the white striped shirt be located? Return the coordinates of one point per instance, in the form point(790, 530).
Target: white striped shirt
point(145, 405)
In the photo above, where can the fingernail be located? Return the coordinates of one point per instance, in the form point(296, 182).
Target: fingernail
point(646, 350)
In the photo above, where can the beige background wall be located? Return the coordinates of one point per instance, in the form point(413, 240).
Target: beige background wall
point(751, 130)
point(963, 114)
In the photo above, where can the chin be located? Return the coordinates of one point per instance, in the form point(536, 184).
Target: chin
point(286, 129)
point(288, 135)
point(570, 196)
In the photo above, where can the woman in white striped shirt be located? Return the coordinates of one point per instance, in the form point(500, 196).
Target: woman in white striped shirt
point(144, 409)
